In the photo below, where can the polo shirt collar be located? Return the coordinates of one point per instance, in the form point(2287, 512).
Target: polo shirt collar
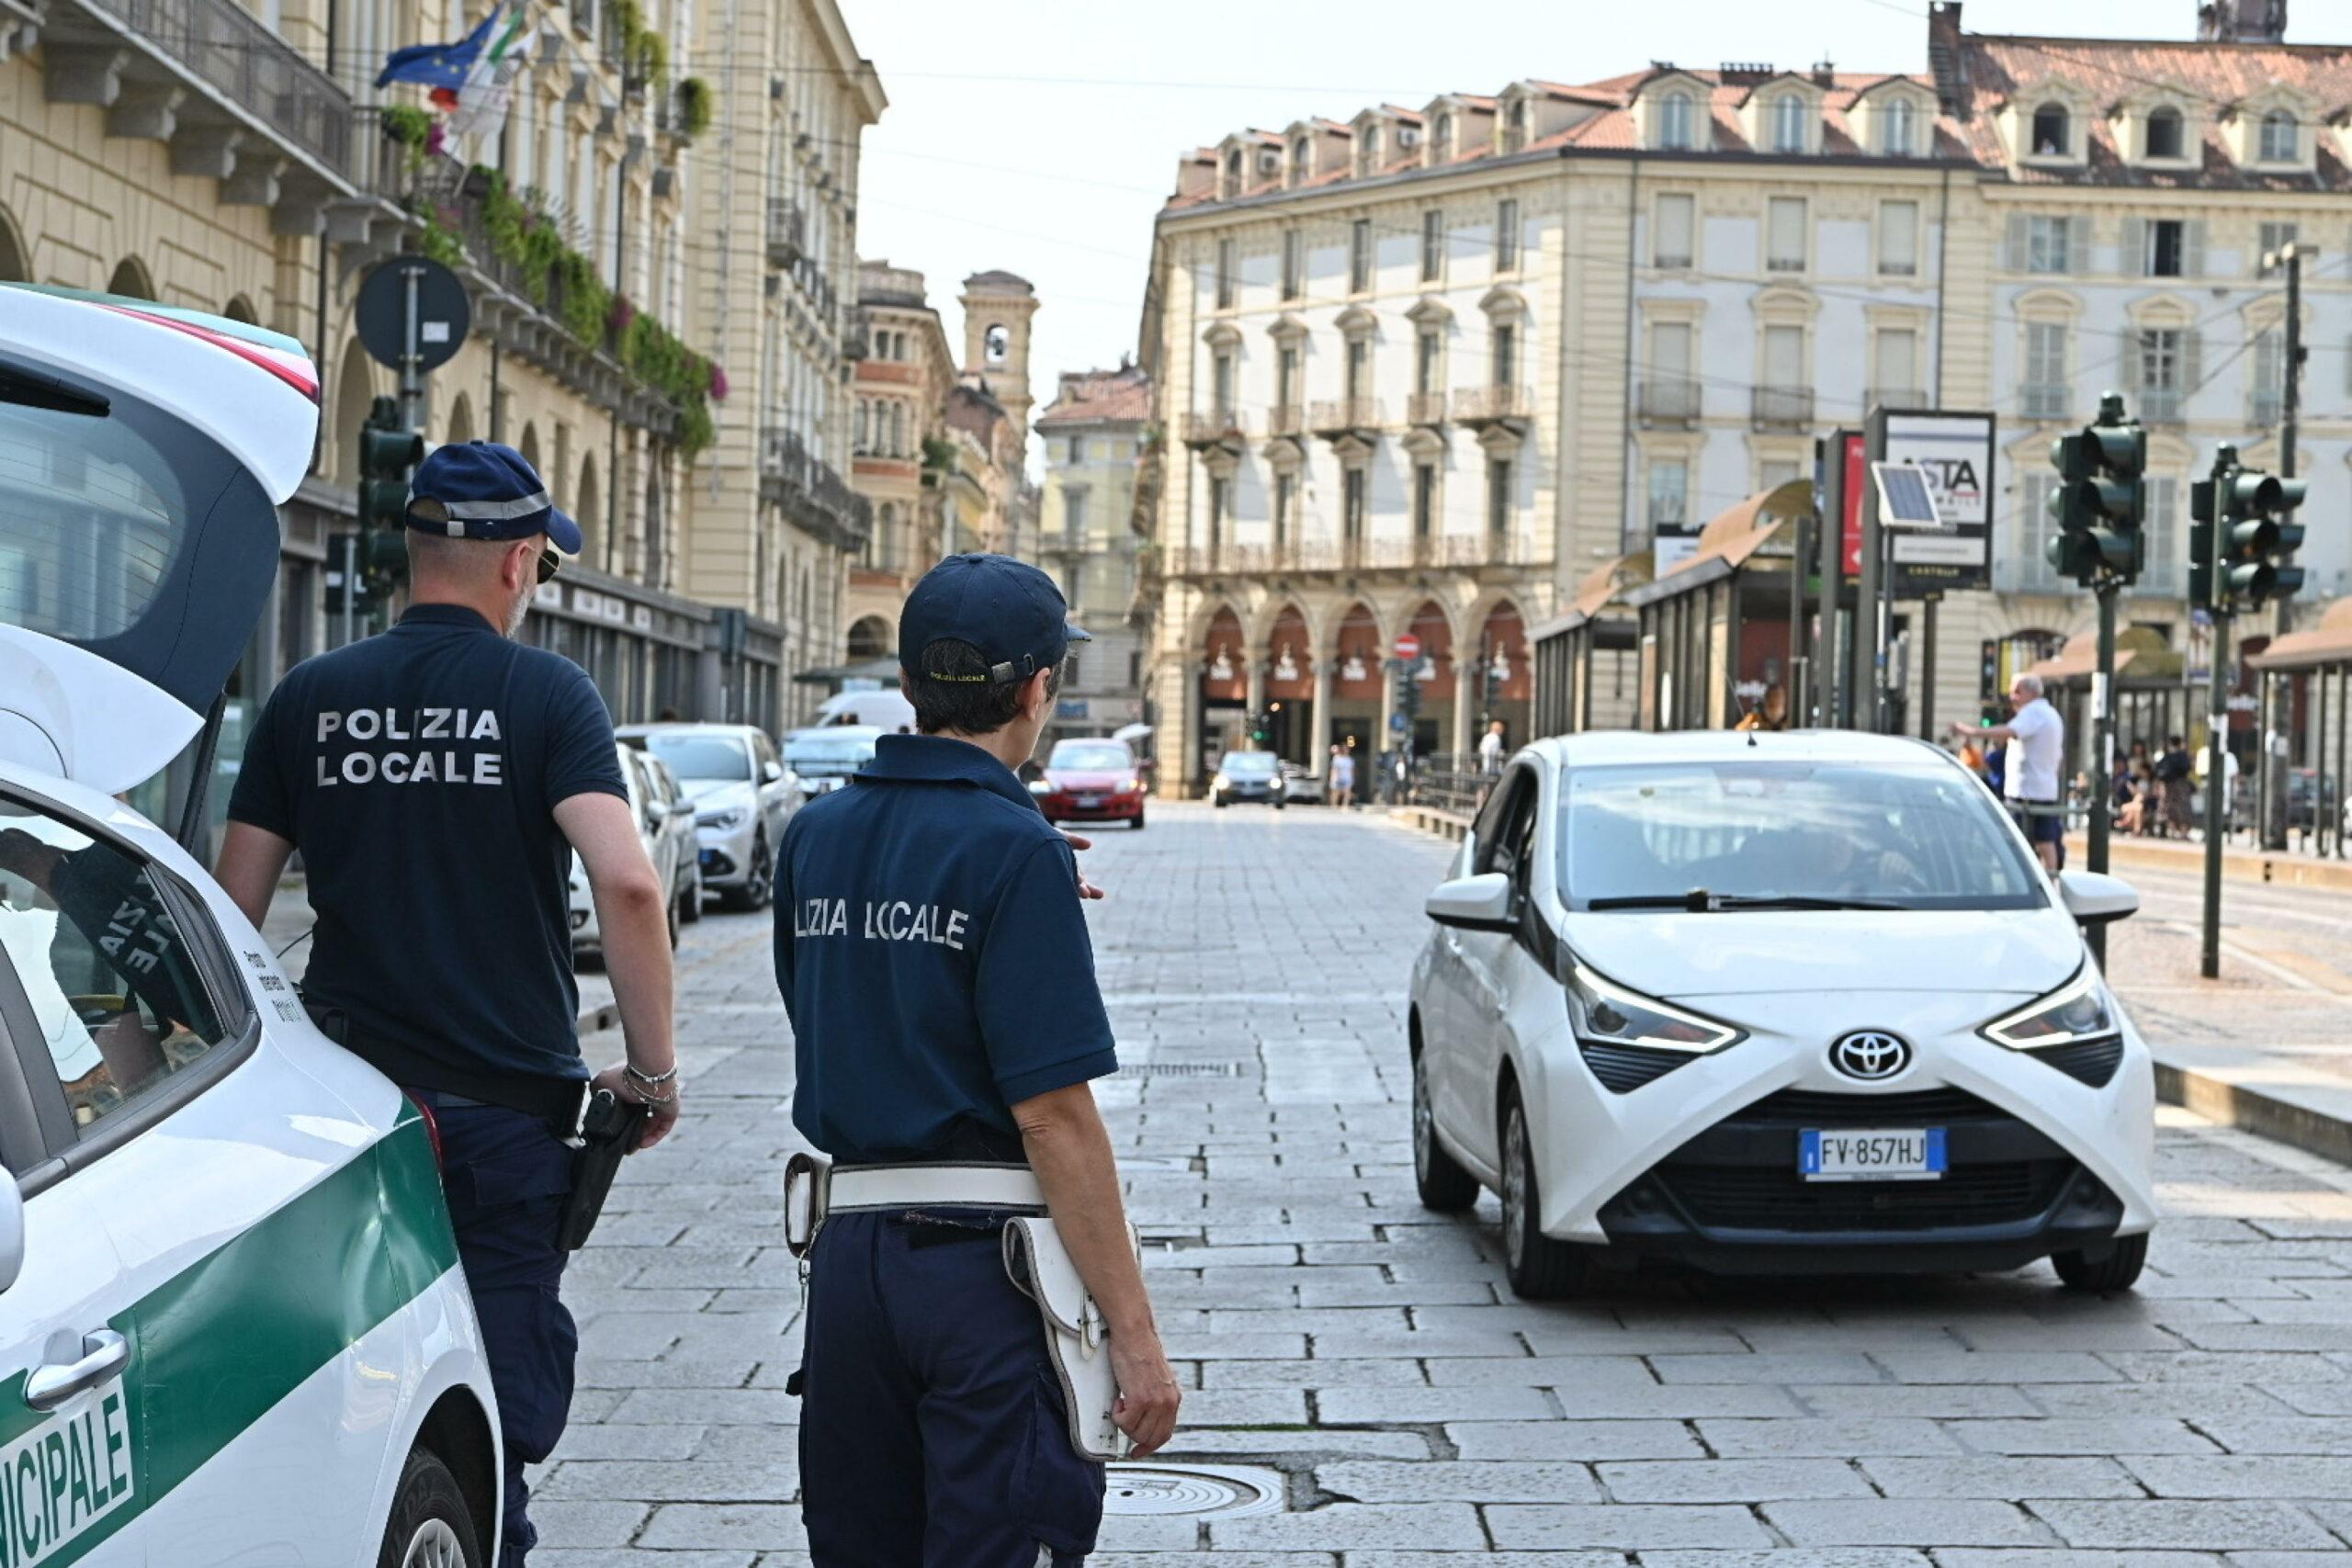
point(444, 615)
point(938, 759)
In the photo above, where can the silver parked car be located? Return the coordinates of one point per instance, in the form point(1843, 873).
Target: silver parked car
point(742, 796)
point(665, 827)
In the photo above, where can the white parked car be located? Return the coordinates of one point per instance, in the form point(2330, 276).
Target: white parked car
point(232, 1324)
point(824, 758)
point(1774, 1003)
point(666, 824)
point(742, 796)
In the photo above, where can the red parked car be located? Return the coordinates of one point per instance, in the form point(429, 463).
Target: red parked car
point(1092, 781)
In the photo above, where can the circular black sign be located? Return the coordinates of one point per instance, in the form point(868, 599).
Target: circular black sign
point(443, 313)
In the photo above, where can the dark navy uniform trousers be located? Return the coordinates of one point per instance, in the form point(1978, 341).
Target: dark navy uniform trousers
point(933, 1433)
point(507, 1175)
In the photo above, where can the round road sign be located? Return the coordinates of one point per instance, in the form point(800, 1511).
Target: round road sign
point(443, 312)
point(1408, 647)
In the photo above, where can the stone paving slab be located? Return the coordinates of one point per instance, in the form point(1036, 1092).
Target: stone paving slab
point(1327, 1326)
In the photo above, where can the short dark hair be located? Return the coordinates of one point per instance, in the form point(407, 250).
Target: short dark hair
point(2172, 740)
point(953, 692)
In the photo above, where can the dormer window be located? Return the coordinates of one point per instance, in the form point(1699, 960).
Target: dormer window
point(1787, 123)
point(1233, 172)
point(1674, 122)
point(1442, 139)
point(1898, 121)
point(1515, 126)
point(2052, 137)
point(2165, 132)
point(1302, 157)
point(2280, 142)
point(1368, 161)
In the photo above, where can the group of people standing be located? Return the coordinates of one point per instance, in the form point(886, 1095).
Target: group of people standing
point(2151, 794)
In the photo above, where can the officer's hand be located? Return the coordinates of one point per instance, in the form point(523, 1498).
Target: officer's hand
point(1085, 889)
point(1149, 1393)
point(663, 1113)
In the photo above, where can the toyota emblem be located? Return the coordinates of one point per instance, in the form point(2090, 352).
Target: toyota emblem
point(1871, 1054)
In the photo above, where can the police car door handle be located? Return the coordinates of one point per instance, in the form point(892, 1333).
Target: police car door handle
point(104, 1353)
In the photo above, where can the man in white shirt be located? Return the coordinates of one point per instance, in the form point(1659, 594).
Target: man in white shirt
point(1490, 749)
point(2036, 738)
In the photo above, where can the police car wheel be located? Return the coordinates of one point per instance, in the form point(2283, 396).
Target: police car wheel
point(430, 1526)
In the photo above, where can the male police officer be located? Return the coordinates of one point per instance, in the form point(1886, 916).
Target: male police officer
point(934, 957)
point(437, 780)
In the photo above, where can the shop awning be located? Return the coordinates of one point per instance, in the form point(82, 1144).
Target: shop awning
point(1599, 589)
point(1731, 539)
point(2141, 650)
point(2328, 643)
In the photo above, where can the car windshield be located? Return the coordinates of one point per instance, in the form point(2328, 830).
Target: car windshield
point(703, 756)
point(828, 756)
point(1911, 836)
point(1092, 757)
point(1248, 765)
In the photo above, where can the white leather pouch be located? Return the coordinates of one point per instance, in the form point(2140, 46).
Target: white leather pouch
point(1076, 1342)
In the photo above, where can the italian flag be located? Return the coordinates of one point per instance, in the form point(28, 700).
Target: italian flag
point(479, 106)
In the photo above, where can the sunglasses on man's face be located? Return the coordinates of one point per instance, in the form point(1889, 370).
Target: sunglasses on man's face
point(550, 564)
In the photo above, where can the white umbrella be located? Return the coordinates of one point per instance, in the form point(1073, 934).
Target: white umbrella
point(1131, 732)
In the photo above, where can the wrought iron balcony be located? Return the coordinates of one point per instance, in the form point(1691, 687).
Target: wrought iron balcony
point(1478, 408)
point(2160, 405)
point(1425, 409)
point(1782, 407)
point(226, 48)
point(788, 232)
point(1898, 398)
point(1336, 419)
point(1285, 420)
point(1221, 429)
point(2045, 400)
point(1667, 400)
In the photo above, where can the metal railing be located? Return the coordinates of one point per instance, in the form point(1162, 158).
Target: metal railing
point(380, 164)
point(2045, 399)
point(1781, 408)
point(221, 43)
point(1898, 398)
point(2160, 405)
point(809, 490)
point(1668, 400)
point(1425, 409)
point(1337, 416)
point(788, 232)
point(1491, 405)
point(1285, 419)
point(1213, 428)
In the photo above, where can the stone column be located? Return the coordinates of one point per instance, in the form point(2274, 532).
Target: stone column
point(1255, 700)
point(1466, 696)
point(1318, 721)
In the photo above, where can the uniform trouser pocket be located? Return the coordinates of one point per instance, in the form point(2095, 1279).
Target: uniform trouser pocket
point(1060, 1491)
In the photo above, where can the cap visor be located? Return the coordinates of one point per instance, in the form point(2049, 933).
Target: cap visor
point(1073, 632)
point(562, 531)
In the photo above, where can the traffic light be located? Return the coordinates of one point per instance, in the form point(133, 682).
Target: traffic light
point(2258, 537)
point(388, 450)
point(2101, 499)
point(2202, 558)
point(1261, 728)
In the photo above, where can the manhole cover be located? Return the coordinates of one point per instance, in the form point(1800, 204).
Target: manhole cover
point(1192, 1490)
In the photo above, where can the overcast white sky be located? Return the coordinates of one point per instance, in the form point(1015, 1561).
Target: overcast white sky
point(1042, 135)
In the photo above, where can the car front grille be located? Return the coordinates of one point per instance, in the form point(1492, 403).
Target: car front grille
point(1763, 1198)
point(1814, 1108)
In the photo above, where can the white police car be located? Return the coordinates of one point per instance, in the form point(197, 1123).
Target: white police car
point(232, 1325)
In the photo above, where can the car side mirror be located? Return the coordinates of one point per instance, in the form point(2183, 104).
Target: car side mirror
point(1480, 903)
point(770, 771)
point(2095, 899)
point(12, 1230)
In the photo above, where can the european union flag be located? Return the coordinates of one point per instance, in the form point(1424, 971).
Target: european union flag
point(442, 66)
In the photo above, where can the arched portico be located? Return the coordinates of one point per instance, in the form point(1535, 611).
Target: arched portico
point(1225, 667)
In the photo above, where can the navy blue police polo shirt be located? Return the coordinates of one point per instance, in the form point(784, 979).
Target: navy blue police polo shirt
point(418, 772)
point(933, 958)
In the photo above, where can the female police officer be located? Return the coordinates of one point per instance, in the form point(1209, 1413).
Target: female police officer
point(933, 958)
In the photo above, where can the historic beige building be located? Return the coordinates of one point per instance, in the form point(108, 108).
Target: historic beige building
point(900, 447)
point(1095, 435)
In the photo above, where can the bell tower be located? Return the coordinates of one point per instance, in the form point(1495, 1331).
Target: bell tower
point(2241, 21)
point(997, 308)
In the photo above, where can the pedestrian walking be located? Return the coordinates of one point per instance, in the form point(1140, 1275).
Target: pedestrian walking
point(1491, 748)
point(932, 953)
point(2035, 740)
point(2175, 779)
point(1343, 777)
point(437, 780)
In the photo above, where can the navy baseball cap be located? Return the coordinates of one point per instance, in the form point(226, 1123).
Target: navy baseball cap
point(1007, 609)
point(480, 490)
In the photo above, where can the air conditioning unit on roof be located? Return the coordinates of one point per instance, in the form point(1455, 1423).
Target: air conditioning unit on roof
point(1407, 136)
point(1269, 161)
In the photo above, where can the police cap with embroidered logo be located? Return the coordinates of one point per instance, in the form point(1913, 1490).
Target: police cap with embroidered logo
point(481, 490)
point(1008, 609)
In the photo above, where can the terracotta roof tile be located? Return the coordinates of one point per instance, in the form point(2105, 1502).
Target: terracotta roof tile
point(1091, 396)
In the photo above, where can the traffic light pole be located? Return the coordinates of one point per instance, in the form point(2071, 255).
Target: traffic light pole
point(2217, 792)
point(2102, 750)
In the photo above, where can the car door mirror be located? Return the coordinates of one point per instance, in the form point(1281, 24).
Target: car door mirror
point(770, 772)
point(2094, 898)
point(1481, 903)
point(12, 1230)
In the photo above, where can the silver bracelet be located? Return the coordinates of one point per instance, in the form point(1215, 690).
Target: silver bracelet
point(651, 1080)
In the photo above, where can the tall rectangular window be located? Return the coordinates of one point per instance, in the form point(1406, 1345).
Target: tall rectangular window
point(1670, 350)
point(1785, 357)
point(1221, 385)
point(1225, 275)
point(1286, 377)
point(1668, 479)
point(1433, 245)
point(1359, 255)
point(1351, 487)
point(1077, 450)
point(2047, 391)
point(1285, 491)
point(2269, 383)
point(1217, 499)
point(2274, 236)
point(2048, 244)
point(1507, 236)
point(1784, 230)
point(1429, 351)
point(1424, 500)
point(2160, 368)
point(1894, 363)
point(1074, 512)
point(2167, 551)
point(1506, 340)
point(2167, 251)
point(1293, 264)
point(1498, 477)
point(1898, 238)
point(1670, 234)
point(1358, 367)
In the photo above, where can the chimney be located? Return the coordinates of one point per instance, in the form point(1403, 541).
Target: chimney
point(1948, 59)
point(1825, 74)
point(2241, 21)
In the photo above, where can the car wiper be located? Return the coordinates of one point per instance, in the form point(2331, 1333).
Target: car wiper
point(1699, 901)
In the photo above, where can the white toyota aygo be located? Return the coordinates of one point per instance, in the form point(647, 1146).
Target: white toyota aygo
point(1774, 1003)
point(232, 1324)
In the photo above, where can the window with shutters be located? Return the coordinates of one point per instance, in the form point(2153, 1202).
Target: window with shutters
point(1515, 126)
point(1358, 367)
point(2280, 142)
point(1442, 139)
point(1218, 491)
point(1293, 264)
point(2273, 237)
point(1894, 367)
point(1351, 491)
point(1359, 255)
point(1221, 385)
point(2165, 249)
point(2167, 549)
point(2164, 137)
point(1368, 155)
point(1784, 245)
point(2266, 387)
point(1668, 481)
point(1507, 236)
point(2030, 525)
point(2159, 372)
point(1433, 245)
point(1074, 512)
point(1670, 233)
point(1225, 275)
point(1424, 500)
point(1499, 486)
point(1286, 377)
point(1506, 354)
point(1898, 238)
point(2047, 393)
point(2049, 244)
point(1285, 491)
point(1428, 361)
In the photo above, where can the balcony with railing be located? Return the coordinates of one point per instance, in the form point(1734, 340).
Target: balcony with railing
point(1898, 398)
point(2045, 400)
point(1218, 429)
point(1667, 400)
point(1478, 408)
point(1286, 422)
point(1339, 419)
point(1425, 411)
point(812, 494)
point(1781, 408)
point(788, 232)
point(2160, 405)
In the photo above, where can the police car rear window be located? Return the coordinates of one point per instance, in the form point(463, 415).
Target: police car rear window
point(91, 514)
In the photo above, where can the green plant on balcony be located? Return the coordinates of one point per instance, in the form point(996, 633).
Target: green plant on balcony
point(938, 461)
point(694, 105)
point(650, 57)
point(436, 242)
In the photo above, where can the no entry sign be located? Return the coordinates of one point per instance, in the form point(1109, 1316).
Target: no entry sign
point(1408, 647)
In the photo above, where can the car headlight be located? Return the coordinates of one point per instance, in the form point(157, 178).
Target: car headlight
point(733, 817)
point(1040, 786)
point(1604, 1012)
point(1220, 781)
point(1128, 787)
point(2079, 1011)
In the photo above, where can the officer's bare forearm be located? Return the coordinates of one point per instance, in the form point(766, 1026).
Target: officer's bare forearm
point(1069, 1149)
point(252, 860)
point(633, 918)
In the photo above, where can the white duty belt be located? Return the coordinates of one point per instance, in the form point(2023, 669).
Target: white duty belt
point(814, 1189)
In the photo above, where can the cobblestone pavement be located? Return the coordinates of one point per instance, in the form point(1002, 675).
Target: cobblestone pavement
point(1331, 1331)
